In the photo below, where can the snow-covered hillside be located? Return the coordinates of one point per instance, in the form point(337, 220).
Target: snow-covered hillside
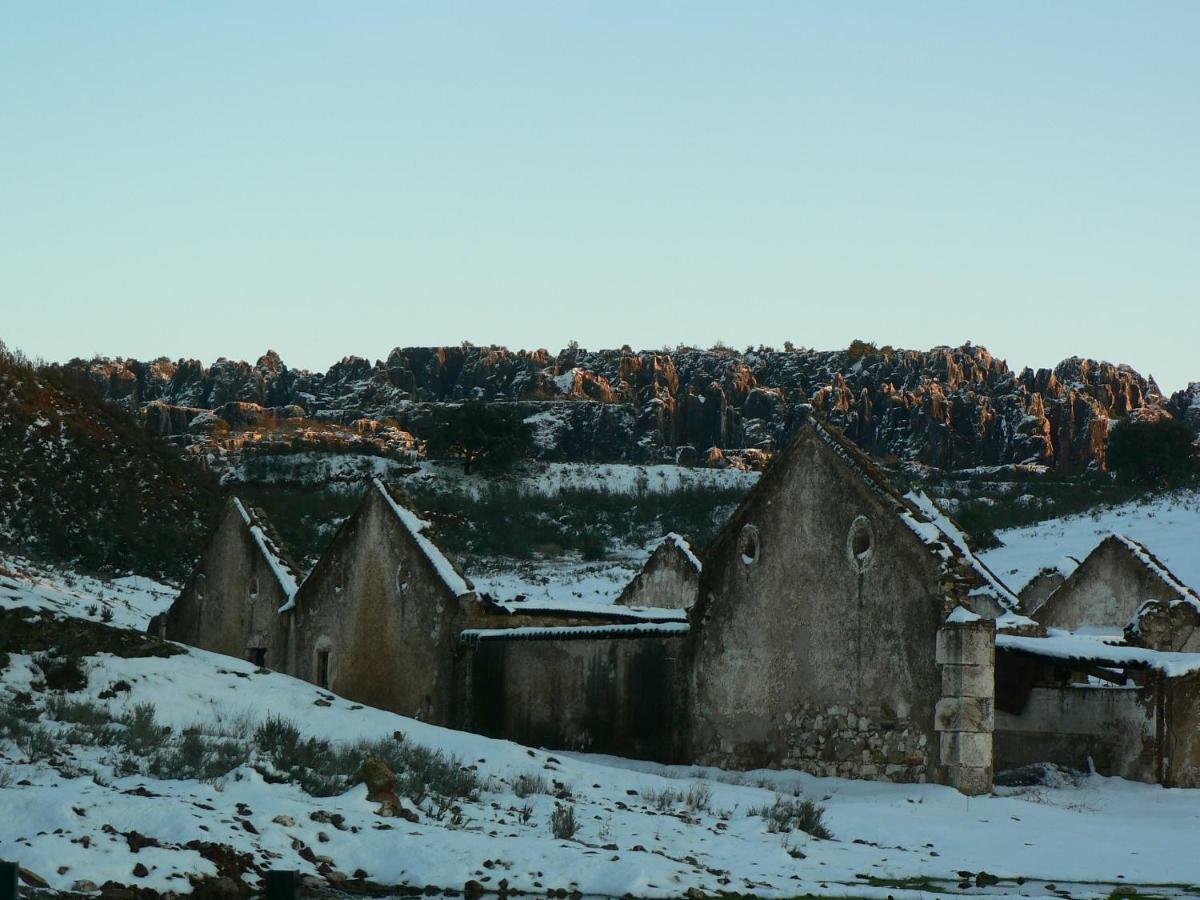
point(1169, 525)
point(80, 809)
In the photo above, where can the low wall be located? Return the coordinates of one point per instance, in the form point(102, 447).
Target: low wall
point(1113, 727)
point(593, 692)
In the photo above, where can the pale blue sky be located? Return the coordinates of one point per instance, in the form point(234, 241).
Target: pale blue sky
point(209, 179)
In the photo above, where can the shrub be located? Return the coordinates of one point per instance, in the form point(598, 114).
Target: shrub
point(6, 777)
point(195, 756)
point(142, 735)
point(77, 712)
point(563, 823)
point(62, 672)
point(37, 743)
point(664, 799)
point(698, 797)
point(786, 815)
point(530, 783)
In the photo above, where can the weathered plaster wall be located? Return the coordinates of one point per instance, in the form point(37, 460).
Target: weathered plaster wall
point(376, 604)
point(1182, 742)
point(1038, 590)
point(668, 579)
point(1104, 592)
point(809, 633)
point(604, 695)
point(227, 618)
point(1112, 727)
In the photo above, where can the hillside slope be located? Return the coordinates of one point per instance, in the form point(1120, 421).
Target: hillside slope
point(1169, 524)
point(80, 481)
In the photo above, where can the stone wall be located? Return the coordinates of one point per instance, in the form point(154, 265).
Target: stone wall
point(669, 579)
point(618, 695)
point(1108, 729)
point(1105, 591)
point(231, 602)
point(377, 606)
point(816, 597)
point(854, 741)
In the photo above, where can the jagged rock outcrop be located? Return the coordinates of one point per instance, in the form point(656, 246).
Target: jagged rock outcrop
point(946, 407)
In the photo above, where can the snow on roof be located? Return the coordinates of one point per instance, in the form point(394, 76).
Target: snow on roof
point(416, 528)
point(962, 614)
point(576, 632)
point(585, 609)
point(933, 527)
point(1067, 646)
point(1184, 594)
point(990, 585)
point(285, 572)
point(681, 543)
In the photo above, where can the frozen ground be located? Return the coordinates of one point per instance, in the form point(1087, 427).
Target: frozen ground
point(128, 602)
point(70, 814)
point(1168, 525)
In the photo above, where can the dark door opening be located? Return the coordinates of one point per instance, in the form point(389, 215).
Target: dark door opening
point(257, 655)
point(323, 668)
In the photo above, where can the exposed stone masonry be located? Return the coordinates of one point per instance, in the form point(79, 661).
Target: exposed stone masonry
point(855, 742)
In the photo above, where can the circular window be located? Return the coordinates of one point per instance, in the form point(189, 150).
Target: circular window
point(860, 543)
point(749, 545)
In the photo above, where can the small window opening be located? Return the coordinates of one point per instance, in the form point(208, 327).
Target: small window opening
point(750, 545)
point(860, 543)
point(201, 585)
point(339, 580)
point(401, 578)
point(253, 588)
point(323, 668)
point(258, 656)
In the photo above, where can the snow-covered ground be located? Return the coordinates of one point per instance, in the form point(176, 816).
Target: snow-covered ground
point(1169, 526)
point(561, 583)
point(128, 602)
point(549, 479)
point(71, 815)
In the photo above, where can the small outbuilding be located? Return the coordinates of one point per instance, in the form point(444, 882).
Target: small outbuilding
point(234, 599)
point(1110, 587)
point(376, 620)
point(669, 579)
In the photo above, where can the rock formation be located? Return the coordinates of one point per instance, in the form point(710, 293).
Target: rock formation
point(946, 407)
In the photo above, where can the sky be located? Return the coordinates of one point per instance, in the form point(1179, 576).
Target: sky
point(215, 179)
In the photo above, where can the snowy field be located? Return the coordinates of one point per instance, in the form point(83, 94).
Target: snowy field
point(1169, 526)
point(72, 814)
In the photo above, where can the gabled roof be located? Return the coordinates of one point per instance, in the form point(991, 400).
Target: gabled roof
point(680, 543)
point(1183, 593)
point(940, 536)
point(454, 581)
point(286, 572)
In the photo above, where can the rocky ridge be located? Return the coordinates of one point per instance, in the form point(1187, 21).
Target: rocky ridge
point(950, 408)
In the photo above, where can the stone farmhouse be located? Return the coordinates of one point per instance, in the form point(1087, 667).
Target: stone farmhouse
point(833, 626)
point(669, 579)
point(1114, 686)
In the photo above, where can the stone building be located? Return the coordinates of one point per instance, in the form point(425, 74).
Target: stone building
point(816, 633)
point(1115, 687)
point(377, 619)
point(1047, 580)
point(231, 603)
point(668, 579)
point(833, 626)
point(1109, 587)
